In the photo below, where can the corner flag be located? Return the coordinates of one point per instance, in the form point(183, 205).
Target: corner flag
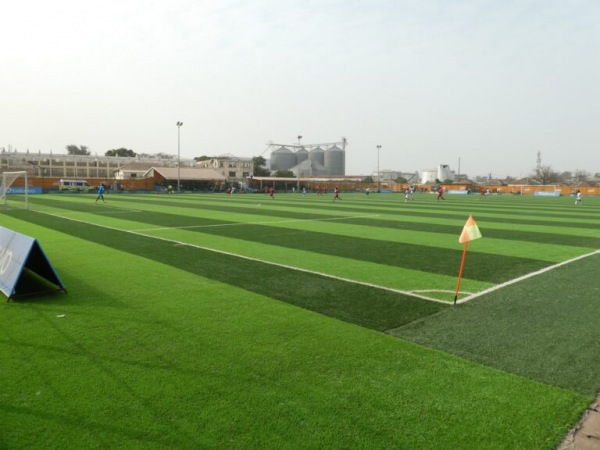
point(469, 233)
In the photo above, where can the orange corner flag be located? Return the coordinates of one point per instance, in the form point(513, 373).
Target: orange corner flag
point(470, 231)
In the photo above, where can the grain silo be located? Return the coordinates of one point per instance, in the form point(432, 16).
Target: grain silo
point(282, 159)
point(335, 161)
point(301, 155)
point(317, 155)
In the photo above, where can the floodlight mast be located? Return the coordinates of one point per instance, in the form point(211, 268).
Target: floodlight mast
point(298, 166)
point(179, 124)
point(378, 172)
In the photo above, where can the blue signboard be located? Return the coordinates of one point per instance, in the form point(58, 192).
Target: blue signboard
point(21, 190)
point(24, 268)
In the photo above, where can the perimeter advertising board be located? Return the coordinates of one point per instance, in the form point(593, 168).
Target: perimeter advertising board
point(21, 255)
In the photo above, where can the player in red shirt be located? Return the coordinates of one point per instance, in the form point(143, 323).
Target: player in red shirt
point(440, 193)
point(336, 194)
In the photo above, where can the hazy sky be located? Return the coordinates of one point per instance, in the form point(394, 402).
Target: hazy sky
point(486, 83)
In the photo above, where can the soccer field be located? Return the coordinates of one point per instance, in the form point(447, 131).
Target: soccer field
point(249, 322)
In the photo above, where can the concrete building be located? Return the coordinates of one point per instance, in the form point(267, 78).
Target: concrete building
point(80, 166)
point(236, 169)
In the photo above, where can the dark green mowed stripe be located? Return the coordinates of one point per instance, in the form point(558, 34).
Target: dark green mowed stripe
point(516, 235)
point(542, 237)
point(484, 266)
point(398, 213)
point(533, 217)
point(366, 306)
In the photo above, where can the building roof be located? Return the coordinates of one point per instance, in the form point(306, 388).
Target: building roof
point(186, 173)
point(495, 182)
point(525, 182)
point(136, 166)
point(229, 156)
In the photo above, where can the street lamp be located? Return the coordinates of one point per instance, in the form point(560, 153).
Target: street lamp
point(298, 166)
point(378, 173)
point(178, 158)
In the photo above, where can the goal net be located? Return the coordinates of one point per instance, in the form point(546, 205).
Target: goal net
point(15, 187)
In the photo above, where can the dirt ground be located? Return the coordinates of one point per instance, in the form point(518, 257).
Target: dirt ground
point(586, 435)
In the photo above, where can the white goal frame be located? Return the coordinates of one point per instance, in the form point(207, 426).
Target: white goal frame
point(8, 178)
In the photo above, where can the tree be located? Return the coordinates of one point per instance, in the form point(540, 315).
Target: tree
point(401, 180)
point(202, 158)
point(284, 174)
point(120, 152)
point(75, 150)
point(566, 176)
point(368, 179)
point(259, 169)
point(581, 176)
point(545, 175)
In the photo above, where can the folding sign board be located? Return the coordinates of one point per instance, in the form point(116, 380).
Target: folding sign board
point(24, 268)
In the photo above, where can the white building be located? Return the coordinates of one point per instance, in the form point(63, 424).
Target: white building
point(442, 173)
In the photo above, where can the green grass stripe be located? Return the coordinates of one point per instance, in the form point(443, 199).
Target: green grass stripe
point(391, 209)
point(374, 273)
point(485, 267)
point(404, 279)
point(573, 232)
point(393, 277)
point(150, 356)
point(402, 256)
point(367, 306)
point(553, 250)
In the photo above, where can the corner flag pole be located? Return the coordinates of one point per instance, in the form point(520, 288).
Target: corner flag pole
point(470, 232)
point(460, 271)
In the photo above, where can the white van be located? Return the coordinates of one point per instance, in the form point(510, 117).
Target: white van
point(74, 185)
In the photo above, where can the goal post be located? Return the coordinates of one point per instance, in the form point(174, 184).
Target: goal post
point(21, 187)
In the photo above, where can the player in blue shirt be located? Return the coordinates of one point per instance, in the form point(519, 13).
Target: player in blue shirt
point(100, 193)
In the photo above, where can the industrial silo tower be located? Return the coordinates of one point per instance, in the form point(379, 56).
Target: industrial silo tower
point(282, 159)
point(310, 159)
point(335, 161)
point(317, 155)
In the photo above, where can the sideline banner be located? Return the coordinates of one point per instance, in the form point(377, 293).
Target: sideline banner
point(21, 190)
point(21, 256)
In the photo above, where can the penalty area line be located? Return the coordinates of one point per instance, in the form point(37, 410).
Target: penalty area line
point(470, 297)
point(250, 258)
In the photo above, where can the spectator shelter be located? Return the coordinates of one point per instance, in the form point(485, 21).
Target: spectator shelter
point(188, 178)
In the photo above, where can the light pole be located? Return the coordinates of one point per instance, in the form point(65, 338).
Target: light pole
point(178, 158)
point(378, 173)
point(298, 166)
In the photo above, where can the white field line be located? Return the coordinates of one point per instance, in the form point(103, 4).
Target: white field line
point(334, 277)
point(524, 277)
point(140, 230)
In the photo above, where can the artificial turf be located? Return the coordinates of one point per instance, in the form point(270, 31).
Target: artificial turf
point(166, 343)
